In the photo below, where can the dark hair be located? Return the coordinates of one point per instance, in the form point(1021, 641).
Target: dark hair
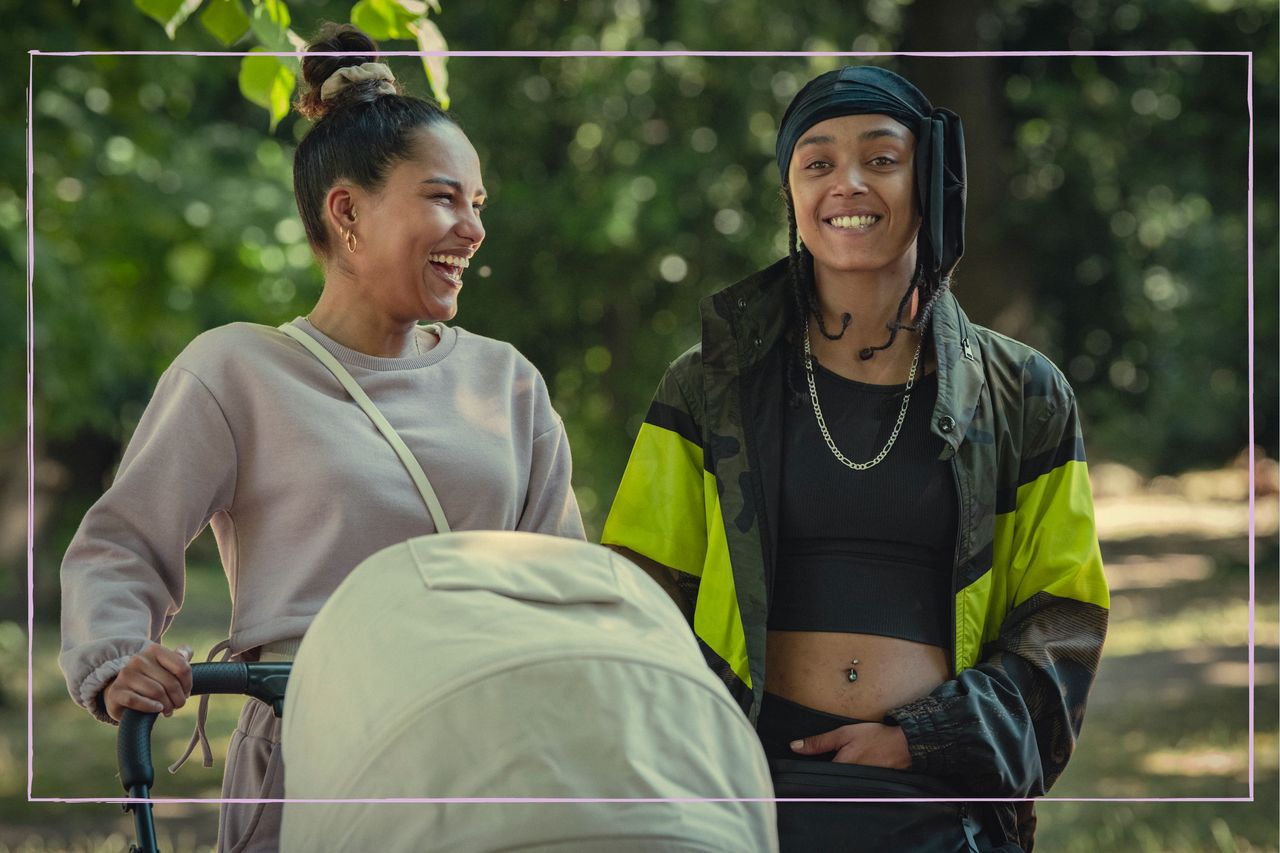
point(805, 303)
point(359, 133)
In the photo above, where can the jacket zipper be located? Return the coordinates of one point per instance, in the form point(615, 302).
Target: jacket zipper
point(961, 520)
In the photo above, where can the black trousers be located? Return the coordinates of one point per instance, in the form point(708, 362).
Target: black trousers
point(920, 827)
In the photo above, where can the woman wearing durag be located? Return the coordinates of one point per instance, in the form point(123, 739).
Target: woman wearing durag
point(252, 431)
point(876, 513)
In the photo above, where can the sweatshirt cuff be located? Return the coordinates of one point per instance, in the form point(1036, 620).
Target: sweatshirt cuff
point(90, 694)
point(924, 724)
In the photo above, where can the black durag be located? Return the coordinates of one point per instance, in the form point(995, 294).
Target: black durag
point(939, 157)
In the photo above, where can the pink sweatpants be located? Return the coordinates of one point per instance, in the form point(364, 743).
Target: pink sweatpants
point(254, 769)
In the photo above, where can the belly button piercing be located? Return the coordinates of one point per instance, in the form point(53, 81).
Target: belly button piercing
point(853, 673)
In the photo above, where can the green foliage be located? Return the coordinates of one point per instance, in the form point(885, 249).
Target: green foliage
point(384, 19)
point(270, 25)
point(431, 41)
point(268, 81)
point(170, 14)
point(225, 20)
point(1151, 251)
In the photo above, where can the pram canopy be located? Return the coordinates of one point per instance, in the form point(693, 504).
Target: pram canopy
point(508, 664)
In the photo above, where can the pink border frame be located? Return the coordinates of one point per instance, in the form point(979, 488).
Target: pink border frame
point(30, 313)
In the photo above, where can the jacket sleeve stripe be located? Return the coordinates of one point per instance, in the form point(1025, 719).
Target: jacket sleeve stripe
point(1054, 546)
point(1071, 449)
point(676, 420)
point(659, 510)
point(717, 620)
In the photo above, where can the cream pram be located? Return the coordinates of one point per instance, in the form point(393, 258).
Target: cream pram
point(513, 665)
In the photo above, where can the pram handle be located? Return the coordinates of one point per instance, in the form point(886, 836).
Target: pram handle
point(264, 681)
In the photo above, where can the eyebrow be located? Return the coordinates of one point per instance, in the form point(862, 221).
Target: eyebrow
point(452, 184)
point(816, 139)
point(874, 133)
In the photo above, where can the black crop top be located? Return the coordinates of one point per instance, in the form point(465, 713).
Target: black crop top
point(867, 552)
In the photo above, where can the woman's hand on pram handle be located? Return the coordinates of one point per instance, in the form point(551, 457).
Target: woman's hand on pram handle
point(156, 680)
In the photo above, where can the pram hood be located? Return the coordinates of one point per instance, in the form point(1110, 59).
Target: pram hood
point(506, 664)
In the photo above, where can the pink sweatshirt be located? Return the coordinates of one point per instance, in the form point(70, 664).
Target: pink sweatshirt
point(249, 433)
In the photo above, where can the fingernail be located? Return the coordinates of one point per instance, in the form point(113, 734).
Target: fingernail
point(797, 744)
point(185, 650)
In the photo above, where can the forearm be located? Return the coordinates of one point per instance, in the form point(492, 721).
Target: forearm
point(664, 575)
point(1008, 726)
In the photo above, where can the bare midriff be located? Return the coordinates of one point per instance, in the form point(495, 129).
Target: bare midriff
point(812, 668)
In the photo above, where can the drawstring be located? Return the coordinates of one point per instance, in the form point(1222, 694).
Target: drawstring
point(198, 736)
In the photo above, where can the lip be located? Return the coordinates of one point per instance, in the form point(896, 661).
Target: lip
point(852, 232)
point(853, 211)
point(465, 252)
point(451, 282)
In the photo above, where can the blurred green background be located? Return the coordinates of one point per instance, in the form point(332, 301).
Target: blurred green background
point(1108, 226)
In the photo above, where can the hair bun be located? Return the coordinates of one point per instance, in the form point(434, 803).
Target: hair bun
point(361, 49)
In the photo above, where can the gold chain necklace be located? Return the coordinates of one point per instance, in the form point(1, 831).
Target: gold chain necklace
point(822, 423)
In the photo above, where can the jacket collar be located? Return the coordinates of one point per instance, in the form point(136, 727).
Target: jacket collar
point(742, 322)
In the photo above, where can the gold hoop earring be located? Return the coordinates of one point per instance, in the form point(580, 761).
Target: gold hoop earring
point(351, 241)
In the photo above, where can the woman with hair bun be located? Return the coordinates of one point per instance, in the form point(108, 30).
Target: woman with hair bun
point(253, 431)
point(875, 513)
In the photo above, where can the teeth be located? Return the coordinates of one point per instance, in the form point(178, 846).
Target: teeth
point(451, 260)
point(854, 221)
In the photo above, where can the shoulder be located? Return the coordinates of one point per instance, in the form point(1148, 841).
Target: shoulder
point(486, 354)
point(1028, 370)
point(239, 362)
point(210, 351)
point(681, 385)
point(1026, 387)
point(505, 373)
point(688, 365)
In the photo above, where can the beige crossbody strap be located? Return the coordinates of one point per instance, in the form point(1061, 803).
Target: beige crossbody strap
point(393, 438)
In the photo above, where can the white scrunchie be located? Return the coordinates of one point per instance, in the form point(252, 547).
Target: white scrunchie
point(344, 77)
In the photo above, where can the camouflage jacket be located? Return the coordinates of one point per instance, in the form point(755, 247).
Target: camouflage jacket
point(700, 495)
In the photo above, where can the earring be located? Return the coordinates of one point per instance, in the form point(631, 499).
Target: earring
point(351, 241)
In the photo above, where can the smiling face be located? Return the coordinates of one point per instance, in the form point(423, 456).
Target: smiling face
point(853, 189)
point(417, 234)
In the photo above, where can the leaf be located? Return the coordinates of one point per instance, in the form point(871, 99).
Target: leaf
point(270, 24)
point(169, 13)
point(269, 83)
point(383, 19)
point(277, 10)
point(226, 20)
point(430, 39)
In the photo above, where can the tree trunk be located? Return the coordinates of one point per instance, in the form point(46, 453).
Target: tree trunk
point(992, 279)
